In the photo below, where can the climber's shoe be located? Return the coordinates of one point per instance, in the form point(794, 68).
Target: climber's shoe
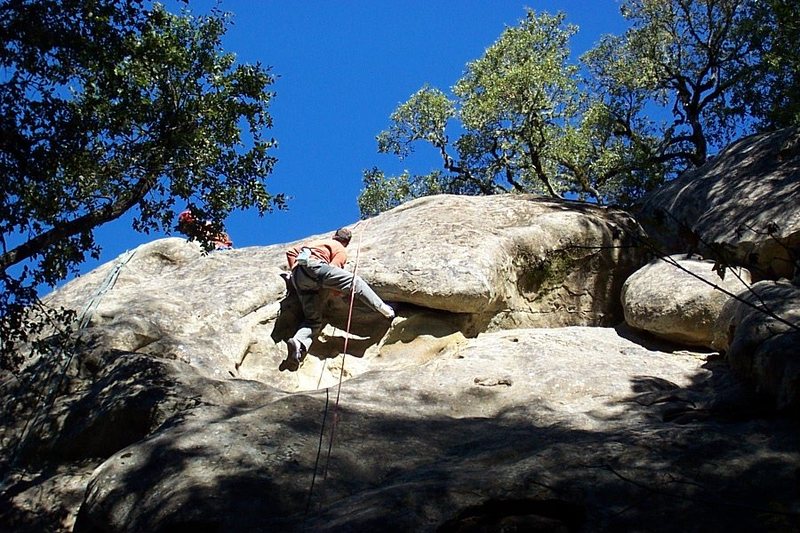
point(293, 356)
point(387, 311)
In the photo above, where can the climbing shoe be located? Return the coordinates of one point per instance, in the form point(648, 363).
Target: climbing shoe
point(293, 356)
point(387, 311)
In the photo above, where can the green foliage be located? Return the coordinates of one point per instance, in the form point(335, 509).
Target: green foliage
point(690, 55)
point(515, 104)
point(109, 106)
point(422, 118)
point(684, 79)
point(773, 94)
point(382, 193)
point(526, 123)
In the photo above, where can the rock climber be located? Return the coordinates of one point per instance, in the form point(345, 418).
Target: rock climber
point(320, 265)
point(195, 229)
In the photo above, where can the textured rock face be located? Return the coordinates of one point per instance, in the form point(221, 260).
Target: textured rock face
point(743, 205)
point(680, 299)
point(173, 416)
point(760, 334)
point(486, 262)
point(169, 299)
point(510, 260)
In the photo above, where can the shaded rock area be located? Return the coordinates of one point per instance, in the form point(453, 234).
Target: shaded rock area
point(467, 428)
point(742, 207)
point(740, 210)
point(577, 428)
point(759, 333)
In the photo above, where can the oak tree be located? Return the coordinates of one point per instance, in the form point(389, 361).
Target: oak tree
point(686, 78)
point(116, 106)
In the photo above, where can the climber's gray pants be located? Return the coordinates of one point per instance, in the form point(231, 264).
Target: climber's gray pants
point(316, 275)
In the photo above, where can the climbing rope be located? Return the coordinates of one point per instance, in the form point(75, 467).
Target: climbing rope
point(83, 318)
point(108, 283)
point(335, 416)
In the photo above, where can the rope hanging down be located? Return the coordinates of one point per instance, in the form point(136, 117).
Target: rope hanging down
point(335, 416)
point(48, 394)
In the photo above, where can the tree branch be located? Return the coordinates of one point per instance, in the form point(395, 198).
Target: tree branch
point(67, 229)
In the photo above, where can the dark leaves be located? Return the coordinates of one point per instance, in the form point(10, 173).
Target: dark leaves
point(110, 106)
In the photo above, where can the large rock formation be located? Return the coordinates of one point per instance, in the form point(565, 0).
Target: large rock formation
point(759, 331)
point(464, 414)
point(556, 426)
point(511, 260)
point(482, 263)
point(742, 207)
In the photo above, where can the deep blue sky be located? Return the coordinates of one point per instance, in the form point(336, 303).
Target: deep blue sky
point(342, 68)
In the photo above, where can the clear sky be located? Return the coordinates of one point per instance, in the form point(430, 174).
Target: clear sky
point(343, 67)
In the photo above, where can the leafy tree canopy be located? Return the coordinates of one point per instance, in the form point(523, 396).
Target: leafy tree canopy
point(635, 110)
point(111, 106)
point(773, 93)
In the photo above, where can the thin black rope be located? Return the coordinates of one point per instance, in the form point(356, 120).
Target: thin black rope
point(319, 450)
